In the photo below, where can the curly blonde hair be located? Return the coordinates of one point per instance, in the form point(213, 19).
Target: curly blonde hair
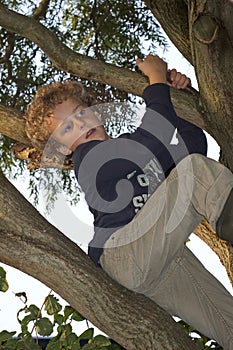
point(41, 109)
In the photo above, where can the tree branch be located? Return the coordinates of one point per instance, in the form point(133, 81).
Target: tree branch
point(223, 249)
point(32, 245)
point(9, 47)
point(173, 17)
point(40, 11)
point(211, 39)
point(12, 124)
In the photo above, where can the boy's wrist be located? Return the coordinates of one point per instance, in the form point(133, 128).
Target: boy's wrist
point(155, 78)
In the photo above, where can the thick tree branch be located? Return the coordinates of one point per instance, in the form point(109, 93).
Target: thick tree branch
point(173, 17)
point(223, 249)
point(12, 124)
point(32, 245)
point(187, 104)
point(211, 39)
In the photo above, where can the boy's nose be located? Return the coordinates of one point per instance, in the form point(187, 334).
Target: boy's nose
point(79, 122)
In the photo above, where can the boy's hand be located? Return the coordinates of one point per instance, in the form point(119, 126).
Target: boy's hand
point(156, 70)
point(177, 79)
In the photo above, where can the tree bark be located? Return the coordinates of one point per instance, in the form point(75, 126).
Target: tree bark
point(173, 17)
point(211, 39)
point(12, 124)
point(30, 244)
point(223, 249)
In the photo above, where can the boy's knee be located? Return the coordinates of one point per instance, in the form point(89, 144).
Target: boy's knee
point(194, 162)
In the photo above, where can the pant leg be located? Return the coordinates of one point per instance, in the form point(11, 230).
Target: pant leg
point(140, 254)
point(189, 291)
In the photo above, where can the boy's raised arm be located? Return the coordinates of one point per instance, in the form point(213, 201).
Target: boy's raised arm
point(156, 71)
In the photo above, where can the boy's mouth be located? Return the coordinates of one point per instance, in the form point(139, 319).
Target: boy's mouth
point(90, 132)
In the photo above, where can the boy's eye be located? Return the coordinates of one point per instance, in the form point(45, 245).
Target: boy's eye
point(67, 127)
point(80, 113)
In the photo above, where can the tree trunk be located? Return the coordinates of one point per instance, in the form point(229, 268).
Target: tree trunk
point(203, 32)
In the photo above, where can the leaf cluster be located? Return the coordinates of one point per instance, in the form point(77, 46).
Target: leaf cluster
point(54, 321)
point(203, 342)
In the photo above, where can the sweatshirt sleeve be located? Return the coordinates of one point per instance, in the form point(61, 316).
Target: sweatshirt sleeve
point(162, 121)
point(157, 98)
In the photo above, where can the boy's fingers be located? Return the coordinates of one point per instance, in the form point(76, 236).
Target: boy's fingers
point(180, 79)
point(183, 81)
point(139, 61)
point(173, 73)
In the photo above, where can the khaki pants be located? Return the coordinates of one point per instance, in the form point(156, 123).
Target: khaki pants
point(149, 255)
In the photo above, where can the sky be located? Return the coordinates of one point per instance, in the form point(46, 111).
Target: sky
point(36, 292)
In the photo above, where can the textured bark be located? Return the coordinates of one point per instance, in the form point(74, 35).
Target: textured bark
point(12, 124)
point(223, 249)
point(211, 37)
point(173, 17)
point(40, 11)
point(35, 247)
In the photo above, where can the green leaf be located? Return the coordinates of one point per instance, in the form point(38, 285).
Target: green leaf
point(88, 334)
point(5, 335)
point(44, 326)
point(67, 330)
point(54, 345)
point(52, 306)
point(30, 344)
point(10, 344)
point(88, 347)
point(58, 318)
point(75, 345)
point(22, 295)
point(34, 310)
point(101, 340)
point(68, 311)
point(3, 282)
point(77, 316)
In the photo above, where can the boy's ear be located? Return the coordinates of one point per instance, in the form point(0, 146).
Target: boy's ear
point(64, 150)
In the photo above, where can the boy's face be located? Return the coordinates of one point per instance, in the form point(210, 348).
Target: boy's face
point(74, 124)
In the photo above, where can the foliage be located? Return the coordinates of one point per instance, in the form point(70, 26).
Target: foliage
point(51, 320)
point(3, 282)
point(203, 342)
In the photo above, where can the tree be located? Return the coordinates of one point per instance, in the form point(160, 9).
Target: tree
point(203, 32)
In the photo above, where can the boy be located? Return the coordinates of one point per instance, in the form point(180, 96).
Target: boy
point(173, 185)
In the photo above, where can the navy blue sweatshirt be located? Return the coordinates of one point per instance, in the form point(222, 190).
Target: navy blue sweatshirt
point(119, 175)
